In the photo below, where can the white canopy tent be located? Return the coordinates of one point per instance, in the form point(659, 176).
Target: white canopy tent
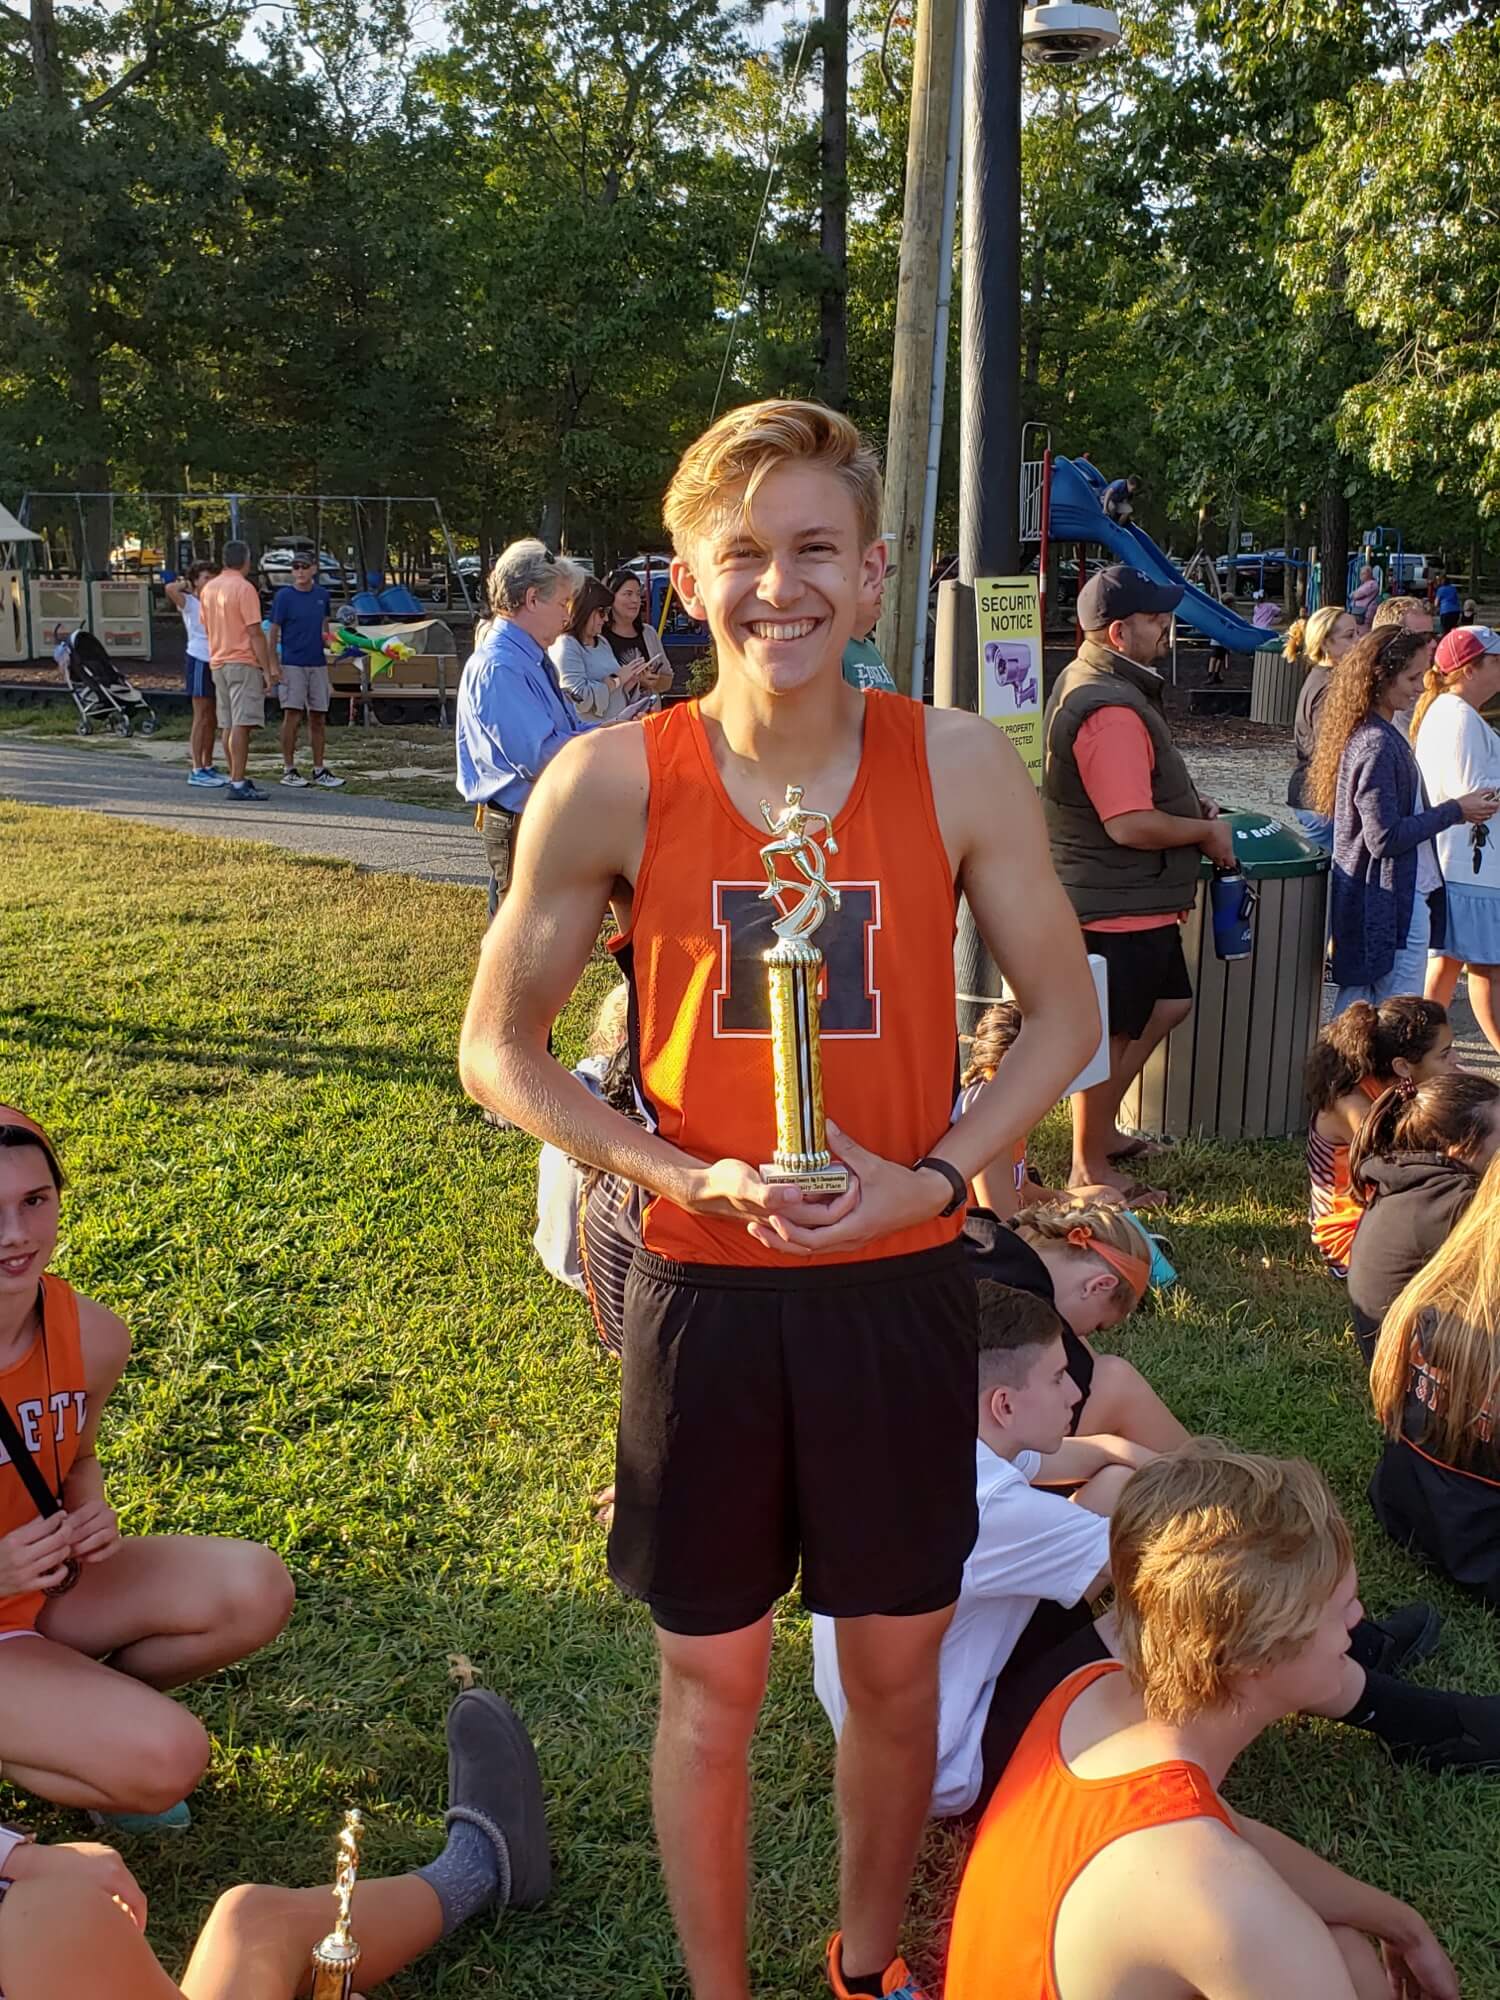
point(15, 610)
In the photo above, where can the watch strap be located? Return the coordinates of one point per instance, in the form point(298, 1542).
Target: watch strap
point(952, 1176)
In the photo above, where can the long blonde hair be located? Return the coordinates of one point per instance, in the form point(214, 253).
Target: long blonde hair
point(1307, 640)
point(1449, 1318)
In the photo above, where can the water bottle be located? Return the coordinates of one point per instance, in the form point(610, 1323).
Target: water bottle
point(1233, 904)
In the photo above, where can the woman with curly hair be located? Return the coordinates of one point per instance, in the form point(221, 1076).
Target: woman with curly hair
point(1387, 903)
point(1319, 642)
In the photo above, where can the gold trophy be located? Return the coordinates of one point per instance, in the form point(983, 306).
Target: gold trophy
point(334, 1960)
point(794, 967)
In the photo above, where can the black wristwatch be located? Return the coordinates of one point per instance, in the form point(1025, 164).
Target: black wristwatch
point(952, 1176)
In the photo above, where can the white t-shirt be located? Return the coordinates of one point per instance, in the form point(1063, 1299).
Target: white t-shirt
point(1459, 752)
point(1031, 1545)
point(559, 1182)
point(192, 618)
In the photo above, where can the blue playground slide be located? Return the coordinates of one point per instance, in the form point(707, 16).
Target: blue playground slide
point(1077, 515)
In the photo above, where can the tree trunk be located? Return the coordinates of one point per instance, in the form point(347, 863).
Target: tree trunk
point(1333, 542)
point(551, 525)
point(1232, 546)
point(833, 344)
point(1289, 575)
point(1476, 564)
point(44, 57)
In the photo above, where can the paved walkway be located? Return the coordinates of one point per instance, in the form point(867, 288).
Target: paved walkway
point(381, 834)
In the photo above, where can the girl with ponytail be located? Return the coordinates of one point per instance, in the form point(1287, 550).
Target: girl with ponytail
point(1458, 752)
point(1414, 1168)
point(1318, 643)
point(1361, 1053)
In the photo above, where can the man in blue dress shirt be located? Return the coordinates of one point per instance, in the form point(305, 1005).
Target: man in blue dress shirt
point(512, 716)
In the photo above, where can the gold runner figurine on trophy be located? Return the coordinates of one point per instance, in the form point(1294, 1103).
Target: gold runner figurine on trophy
point(334, 1960)
point(795, 967)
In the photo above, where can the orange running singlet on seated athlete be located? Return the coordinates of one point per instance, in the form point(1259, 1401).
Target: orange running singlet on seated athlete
point(1042, 1829)
point(693, 955)
point(44, 1392)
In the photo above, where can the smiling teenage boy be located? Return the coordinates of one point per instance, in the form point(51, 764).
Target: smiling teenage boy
point(786, 1354)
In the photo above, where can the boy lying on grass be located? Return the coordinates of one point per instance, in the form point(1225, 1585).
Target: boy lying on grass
point(75, 1592)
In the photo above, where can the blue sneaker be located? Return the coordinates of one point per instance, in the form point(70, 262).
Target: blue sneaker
point(176, 1819)
point(245, 789)
point(207, 776)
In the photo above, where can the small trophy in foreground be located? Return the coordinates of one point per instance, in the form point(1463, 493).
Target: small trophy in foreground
point(334, 1960)
point(795, 966)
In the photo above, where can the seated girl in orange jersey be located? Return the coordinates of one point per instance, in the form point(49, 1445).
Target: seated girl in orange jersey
point(1007, 1184)
point(74, 1592)
point(1361, 1052)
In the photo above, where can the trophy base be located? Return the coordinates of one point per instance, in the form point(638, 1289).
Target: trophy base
point(811, 1180)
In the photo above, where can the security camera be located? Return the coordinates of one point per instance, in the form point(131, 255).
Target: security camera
point(1062, 33)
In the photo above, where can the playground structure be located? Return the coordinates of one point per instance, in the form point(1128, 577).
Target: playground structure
point(1062, 500)
point(96, 559)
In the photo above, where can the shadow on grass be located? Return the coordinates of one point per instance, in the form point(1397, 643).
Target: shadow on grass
point(225, 1048)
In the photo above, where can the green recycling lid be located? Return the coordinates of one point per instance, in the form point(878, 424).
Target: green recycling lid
point(1267, 850)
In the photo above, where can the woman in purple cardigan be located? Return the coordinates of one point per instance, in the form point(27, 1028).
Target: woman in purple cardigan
point(1387, 902)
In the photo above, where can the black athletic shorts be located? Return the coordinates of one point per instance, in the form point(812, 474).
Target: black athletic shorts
point(1057, 1642)
point(771, 1415)
point(1143, 967)
point(1081, 1368)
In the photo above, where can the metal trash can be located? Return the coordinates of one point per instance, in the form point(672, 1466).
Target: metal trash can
point(1233, 1070)
point(1275, 683)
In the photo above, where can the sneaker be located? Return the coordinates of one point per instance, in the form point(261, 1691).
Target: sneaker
point(245, 789)
point(1474, 1745)
point(176, 1819)
point(207, 776)
point(896, 1982)
point(292, 776)
point(324, 777)
point(1399, 1640)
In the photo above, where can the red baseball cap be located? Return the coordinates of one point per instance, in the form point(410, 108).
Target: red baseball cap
point(1463, 645)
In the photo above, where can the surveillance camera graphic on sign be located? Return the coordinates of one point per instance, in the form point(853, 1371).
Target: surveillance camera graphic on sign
point(1012, 670)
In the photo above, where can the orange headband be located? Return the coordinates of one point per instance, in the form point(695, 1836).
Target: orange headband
point(9, 1115)
point(1136, 1271)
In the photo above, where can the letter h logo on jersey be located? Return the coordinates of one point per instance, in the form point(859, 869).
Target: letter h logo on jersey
point(846, 938)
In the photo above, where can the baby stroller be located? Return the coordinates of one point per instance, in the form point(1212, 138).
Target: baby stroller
point(100, 692)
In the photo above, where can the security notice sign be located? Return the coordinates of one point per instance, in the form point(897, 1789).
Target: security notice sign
point(1010, 662)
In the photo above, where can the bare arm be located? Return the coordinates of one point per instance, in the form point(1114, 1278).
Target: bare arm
point(1081, 1457)
point(176, 591)
point(1155, 832)
point(580, 840)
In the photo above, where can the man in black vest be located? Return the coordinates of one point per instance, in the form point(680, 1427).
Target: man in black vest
point(1127, 827)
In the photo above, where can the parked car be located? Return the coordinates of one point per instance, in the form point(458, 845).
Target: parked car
point(276, 565)
point(449, 581)
point(1254, 569)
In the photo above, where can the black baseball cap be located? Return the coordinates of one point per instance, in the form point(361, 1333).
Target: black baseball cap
point(1120, 592)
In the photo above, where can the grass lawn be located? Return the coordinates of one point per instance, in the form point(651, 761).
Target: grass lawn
point(345, 1347)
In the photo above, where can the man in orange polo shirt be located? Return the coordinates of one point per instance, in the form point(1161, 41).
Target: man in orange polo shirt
point(1127, 826)
point(240, 662)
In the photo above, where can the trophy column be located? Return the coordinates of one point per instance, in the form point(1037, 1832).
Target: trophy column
point(334, 1960)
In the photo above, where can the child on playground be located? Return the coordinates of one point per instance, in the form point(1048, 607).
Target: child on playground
point(1435, 1383)
point(1414, 1167)
point(74, 1592)
point(73, 1919)
point(1361, 1053)
point(1107, 1862)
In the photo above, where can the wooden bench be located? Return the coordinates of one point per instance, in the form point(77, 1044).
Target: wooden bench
point(416, 689)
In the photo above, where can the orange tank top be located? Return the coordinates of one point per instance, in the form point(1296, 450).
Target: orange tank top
point(699, 1016)
point(1042, 1829)
point(1332, 1210)
point(45, 1394)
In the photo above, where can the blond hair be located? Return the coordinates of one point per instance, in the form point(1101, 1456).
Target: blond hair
point(1447, 1319)
point(608, 1031)
point(1050, 1224)
point(1223, 1563)
point(1308, 638)
point(994, 1033)
point(1394, 610)
point(722, 473)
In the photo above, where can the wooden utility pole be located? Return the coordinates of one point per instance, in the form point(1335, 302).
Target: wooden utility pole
point(833, 237)
point(935, 48)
